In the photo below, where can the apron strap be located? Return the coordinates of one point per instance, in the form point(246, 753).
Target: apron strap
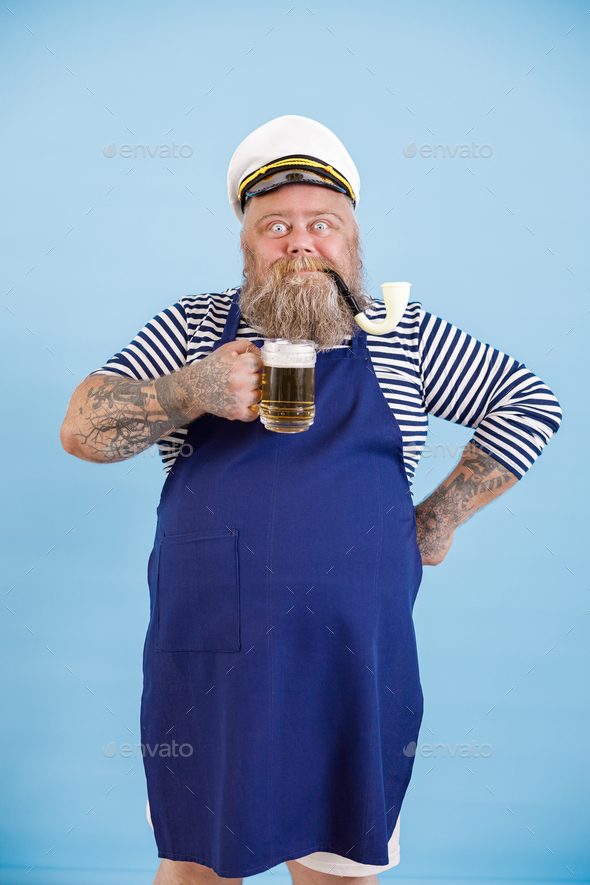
point(232, 322)
point(359, 342)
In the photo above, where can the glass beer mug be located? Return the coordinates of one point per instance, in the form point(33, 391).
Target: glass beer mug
point(287, 404)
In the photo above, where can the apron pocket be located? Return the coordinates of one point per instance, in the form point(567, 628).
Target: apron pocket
point(198, 592)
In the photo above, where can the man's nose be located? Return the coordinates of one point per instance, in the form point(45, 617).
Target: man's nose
point(300, 242)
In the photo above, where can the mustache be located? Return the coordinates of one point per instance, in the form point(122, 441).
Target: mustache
point(283, 266)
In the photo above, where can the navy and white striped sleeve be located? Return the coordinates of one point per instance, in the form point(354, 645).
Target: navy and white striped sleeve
point(158, 349)
point(471, 383)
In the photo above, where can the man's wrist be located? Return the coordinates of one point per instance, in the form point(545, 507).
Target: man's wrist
point(175, 399)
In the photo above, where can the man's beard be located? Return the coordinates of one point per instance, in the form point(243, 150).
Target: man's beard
point(291, 305)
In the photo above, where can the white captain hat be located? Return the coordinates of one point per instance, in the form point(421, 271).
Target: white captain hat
point(289, 150)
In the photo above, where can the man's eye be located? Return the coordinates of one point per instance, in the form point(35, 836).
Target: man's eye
point(278, 227)
point(321, 225)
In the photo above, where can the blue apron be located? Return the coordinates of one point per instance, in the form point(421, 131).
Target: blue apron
point(281, 680)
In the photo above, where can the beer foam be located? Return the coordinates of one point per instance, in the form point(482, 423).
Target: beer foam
point(286, 353)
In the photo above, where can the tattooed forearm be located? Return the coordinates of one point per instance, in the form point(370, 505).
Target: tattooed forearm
point(120, 418)
point(111, 419)
point(477, 480)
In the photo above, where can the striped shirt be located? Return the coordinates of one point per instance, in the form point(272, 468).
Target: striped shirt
point(425, 366)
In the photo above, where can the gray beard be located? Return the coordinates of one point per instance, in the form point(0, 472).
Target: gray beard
point(288, 305)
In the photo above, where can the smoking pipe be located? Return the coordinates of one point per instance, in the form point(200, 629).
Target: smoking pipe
point(395, 296)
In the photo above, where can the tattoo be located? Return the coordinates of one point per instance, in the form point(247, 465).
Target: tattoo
point(119, 421)
point(456, 500)
point(200, 387)
point(206, 383)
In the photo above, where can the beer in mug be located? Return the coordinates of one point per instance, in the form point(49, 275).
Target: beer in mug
point(287, 404)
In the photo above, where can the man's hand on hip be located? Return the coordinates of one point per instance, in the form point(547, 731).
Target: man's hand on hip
point(433, 535)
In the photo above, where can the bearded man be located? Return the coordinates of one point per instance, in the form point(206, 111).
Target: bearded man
point(280, 653)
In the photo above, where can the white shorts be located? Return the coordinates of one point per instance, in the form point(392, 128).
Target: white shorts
point(325, 862)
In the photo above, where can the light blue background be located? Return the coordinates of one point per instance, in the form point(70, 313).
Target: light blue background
point(501, 600)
